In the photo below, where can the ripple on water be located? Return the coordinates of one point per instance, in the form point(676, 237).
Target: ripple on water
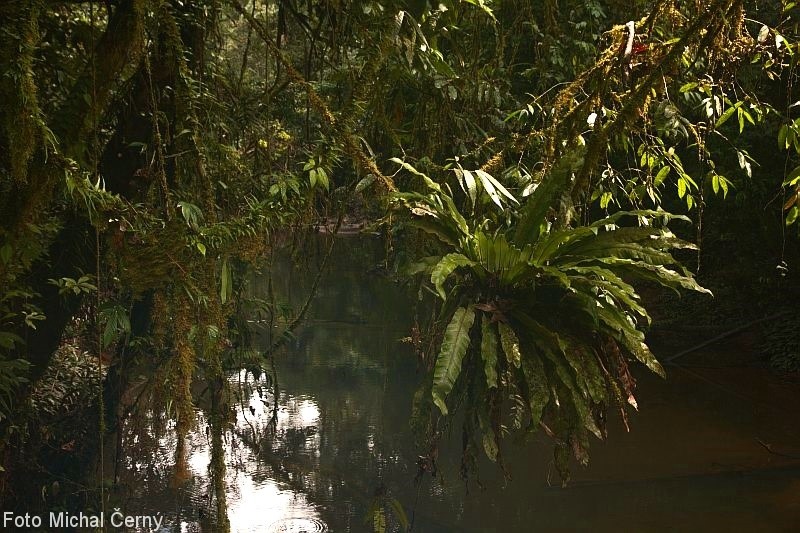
point(298, 525)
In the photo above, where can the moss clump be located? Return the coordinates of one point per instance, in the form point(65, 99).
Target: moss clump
point(19, 106)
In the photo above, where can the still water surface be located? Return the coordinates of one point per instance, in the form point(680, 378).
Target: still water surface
point(692, 462)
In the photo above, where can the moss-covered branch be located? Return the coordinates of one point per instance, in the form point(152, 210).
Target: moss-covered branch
point(115, 58)
point(19, 109)
point(349, 140)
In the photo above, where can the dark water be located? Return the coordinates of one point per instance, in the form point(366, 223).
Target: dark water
point(712, 449)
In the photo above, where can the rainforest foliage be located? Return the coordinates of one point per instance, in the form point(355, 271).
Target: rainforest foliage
point(521, 158)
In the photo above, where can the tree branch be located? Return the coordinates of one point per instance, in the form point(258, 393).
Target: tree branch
point(351, 144)
point(116, 57)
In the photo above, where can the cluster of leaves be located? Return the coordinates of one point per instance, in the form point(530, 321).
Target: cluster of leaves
point(67, 384)
point(539, 317)
point(542, 321)
point(13, 373)
point(19, 311)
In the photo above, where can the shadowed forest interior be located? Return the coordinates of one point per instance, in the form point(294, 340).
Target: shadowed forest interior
point(469, 265)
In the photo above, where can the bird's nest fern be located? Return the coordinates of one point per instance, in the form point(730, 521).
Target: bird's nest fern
point(542, 321)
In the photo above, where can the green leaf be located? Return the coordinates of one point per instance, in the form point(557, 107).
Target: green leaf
point(399, 513)
point(607, 280)
point(793, 178)
point(657, 273)
point(191, 214)
point(553, 347)
point(8, 340)
point(534, 211)
point(470, 185)
point(496, 255)
point(489, 187)
point(322, 177)
point(681, 187)
point(538, 386)
point(451, 354)
point(490, 445)
point(496, 186)
point(551, 243)
point(727, 114)
point(791, 217)
point(429, 182)
point(510, 343)
point(364, 184)
point(631, 338)
point(482, 5)
point(445, 233)
point(5, 253)
point(455, 214)
point(723, 184)
point(489, 351)
point(643, 244)
point(425, 264)
point(225, 282)
point(489, 437)
point(782, 135)
point(588, 372)
point(639, 213)
point(379, 521)
point(444, 268)
point(116, 322)
point(555, 274)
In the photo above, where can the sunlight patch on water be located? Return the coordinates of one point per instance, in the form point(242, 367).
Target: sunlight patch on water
point(257, 502)
point(263, 505)
point(298, 525)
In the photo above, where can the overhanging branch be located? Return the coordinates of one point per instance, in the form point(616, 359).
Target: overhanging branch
point(350, 141)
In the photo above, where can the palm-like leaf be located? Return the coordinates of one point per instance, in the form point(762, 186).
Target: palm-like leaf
point(448, 363)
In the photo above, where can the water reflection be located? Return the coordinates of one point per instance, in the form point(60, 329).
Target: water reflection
point(269, 455)
point(338, 436)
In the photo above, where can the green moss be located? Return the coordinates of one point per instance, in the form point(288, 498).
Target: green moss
point(19, 106)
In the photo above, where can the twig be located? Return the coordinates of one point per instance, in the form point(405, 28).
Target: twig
point(768, 447)
point(724, 335)
point(297, 319)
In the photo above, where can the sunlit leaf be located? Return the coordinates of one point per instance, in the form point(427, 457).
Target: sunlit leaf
point(444, 268)
point(225, 282)
point(470, 185)
point(510, 344)
point(451, 354)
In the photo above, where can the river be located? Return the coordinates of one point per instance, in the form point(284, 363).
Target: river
point(713, 448)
